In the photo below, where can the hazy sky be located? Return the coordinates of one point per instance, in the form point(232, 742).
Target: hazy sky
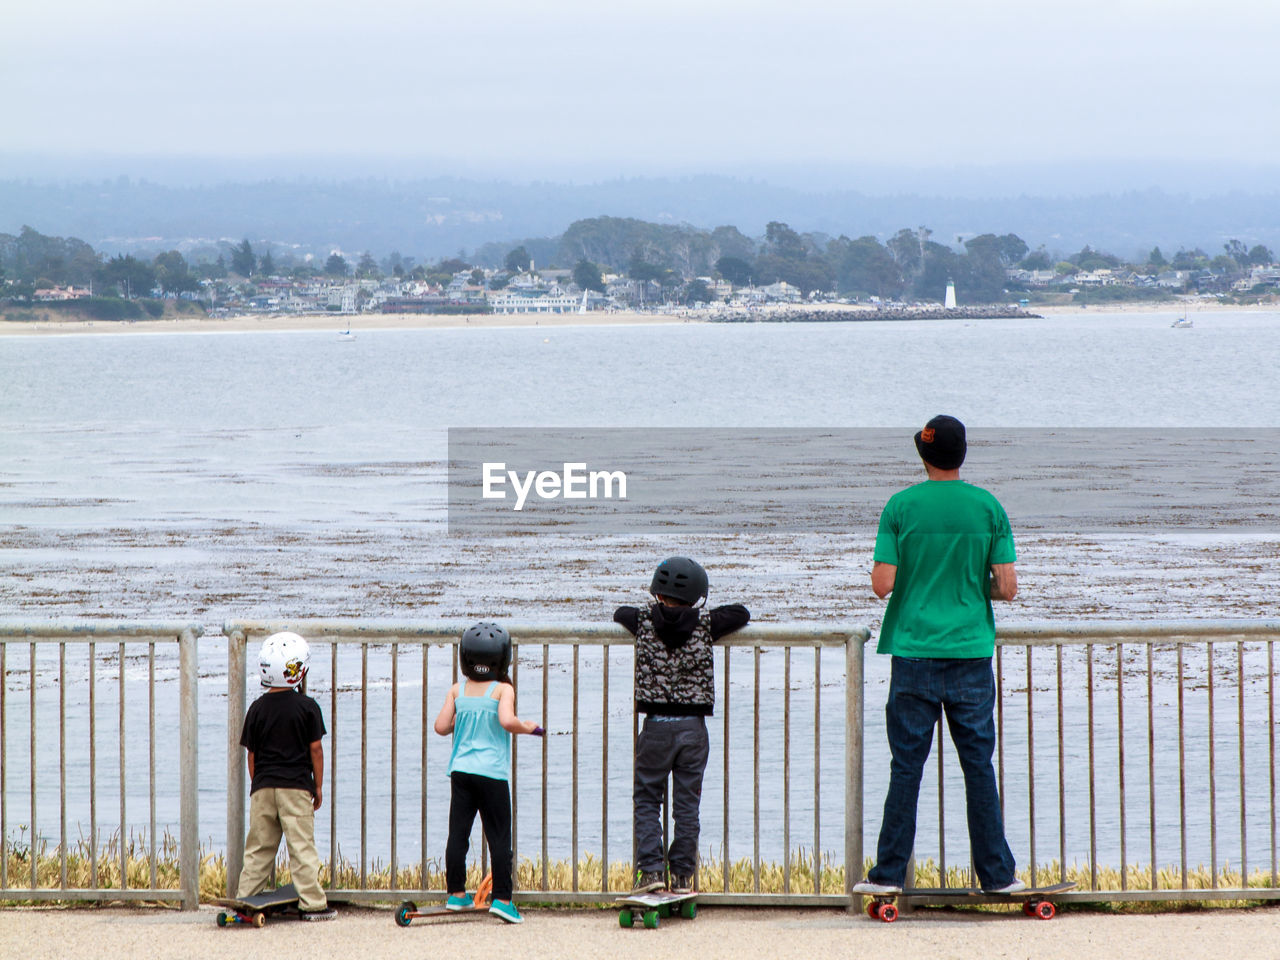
point(628, 87)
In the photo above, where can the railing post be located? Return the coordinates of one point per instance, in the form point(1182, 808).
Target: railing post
point(189, 775)
point(853, 779)
point(235, 761)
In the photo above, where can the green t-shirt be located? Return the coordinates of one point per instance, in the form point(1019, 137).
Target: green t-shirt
point(943, 536)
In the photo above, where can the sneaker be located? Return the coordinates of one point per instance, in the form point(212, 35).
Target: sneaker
point(506, 910)
point(681, 883)
point(464, 902)
point(867, 888)
point(1016, 887)
point(328, 913)
point(648, 881)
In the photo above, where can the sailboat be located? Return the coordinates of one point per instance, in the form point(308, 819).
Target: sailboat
point(1183, 323)
point(346, 334)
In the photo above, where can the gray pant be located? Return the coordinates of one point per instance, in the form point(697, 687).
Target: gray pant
point(679, 749)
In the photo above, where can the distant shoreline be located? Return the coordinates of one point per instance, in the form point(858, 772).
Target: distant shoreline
point(356, 323)
point(425, 321)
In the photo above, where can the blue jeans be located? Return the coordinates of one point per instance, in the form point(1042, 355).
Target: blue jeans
point(919, 690)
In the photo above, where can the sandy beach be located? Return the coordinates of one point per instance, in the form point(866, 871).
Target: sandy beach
point(425, 321)
point(356, 323)
point(1162, 307)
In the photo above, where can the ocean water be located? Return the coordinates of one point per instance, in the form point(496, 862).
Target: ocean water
point(210, 476)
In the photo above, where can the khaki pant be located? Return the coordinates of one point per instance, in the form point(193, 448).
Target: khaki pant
point(273, 812)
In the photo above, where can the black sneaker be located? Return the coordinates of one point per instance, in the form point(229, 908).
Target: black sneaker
point(328, 913)
point(681, 883)
point(647, 881)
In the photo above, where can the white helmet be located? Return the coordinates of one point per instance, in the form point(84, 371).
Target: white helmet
point(283, 660)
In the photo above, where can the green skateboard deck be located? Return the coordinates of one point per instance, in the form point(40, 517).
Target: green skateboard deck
point(652, 907)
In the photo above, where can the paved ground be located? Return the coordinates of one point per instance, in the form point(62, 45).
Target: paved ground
point(734, 934)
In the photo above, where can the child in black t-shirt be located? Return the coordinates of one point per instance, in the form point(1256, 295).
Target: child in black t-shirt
point(675, 689)
point(282, 732)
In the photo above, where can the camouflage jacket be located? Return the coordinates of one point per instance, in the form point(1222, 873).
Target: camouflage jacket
point(674, 680)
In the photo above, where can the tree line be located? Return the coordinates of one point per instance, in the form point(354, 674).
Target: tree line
point(30, 261)
point(910, 265)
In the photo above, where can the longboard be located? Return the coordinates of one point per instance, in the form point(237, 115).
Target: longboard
point(652, 907)
point(253, 910)
point(408, 911)
point(1035, 901)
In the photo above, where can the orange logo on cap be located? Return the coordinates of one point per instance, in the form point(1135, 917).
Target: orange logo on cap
point(927, 434)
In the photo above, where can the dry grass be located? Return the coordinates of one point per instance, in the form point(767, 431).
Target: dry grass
point(559, 875)
point(79, 865)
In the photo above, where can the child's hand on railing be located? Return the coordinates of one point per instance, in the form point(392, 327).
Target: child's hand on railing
point(538, 731)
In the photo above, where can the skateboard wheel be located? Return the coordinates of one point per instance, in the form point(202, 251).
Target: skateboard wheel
point(222, 919)
point(626, 919)
point(259, 919)
point(888, 913)
point(1029, 908)
point(664, 910)
point(651, 919)
point(873, 910)
point(1045, 910)
point(403, 911)
point(689, 909)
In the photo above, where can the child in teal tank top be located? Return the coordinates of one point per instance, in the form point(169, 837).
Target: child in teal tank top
point(480, 713)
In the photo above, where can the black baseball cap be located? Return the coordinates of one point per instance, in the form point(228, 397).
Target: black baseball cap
point(941, 442)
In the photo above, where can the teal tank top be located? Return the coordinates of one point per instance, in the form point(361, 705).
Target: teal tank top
point(480, 745)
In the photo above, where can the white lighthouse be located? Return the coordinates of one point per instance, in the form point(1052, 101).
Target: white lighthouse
point(950, 301)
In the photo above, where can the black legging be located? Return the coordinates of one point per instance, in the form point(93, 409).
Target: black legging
point(492, 799)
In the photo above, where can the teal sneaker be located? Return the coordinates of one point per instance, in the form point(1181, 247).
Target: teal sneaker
point(463, 902)
point(506, 910)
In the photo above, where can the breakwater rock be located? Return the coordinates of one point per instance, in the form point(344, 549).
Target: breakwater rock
point(810, 315)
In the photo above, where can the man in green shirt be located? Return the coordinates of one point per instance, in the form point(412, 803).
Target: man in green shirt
point(944, 551)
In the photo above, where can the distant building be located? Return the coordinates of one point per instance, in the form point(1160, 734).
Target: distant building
point(502, 302)
point(1269, 275)
point(343, 297)
point(68, 292)
point(781, 292)
point(1032, 278)
point(424, 304)
point(719, 289)
point(1095, 278)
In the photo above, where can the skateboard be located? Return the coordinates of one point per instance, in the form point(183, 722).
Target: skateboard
point(408, 911)
point(1035, 901)
point(651, 907)
point(253, 910)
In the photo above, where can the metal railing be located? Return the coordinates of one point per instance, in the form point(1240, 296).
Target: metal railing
point(1155, 742)
point(385, 681)
point(62, 664)
point(1139, 759)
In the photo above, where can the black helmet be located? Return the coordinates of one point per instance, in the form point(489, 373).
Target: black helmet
point(485, 652)
point(681, 579)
